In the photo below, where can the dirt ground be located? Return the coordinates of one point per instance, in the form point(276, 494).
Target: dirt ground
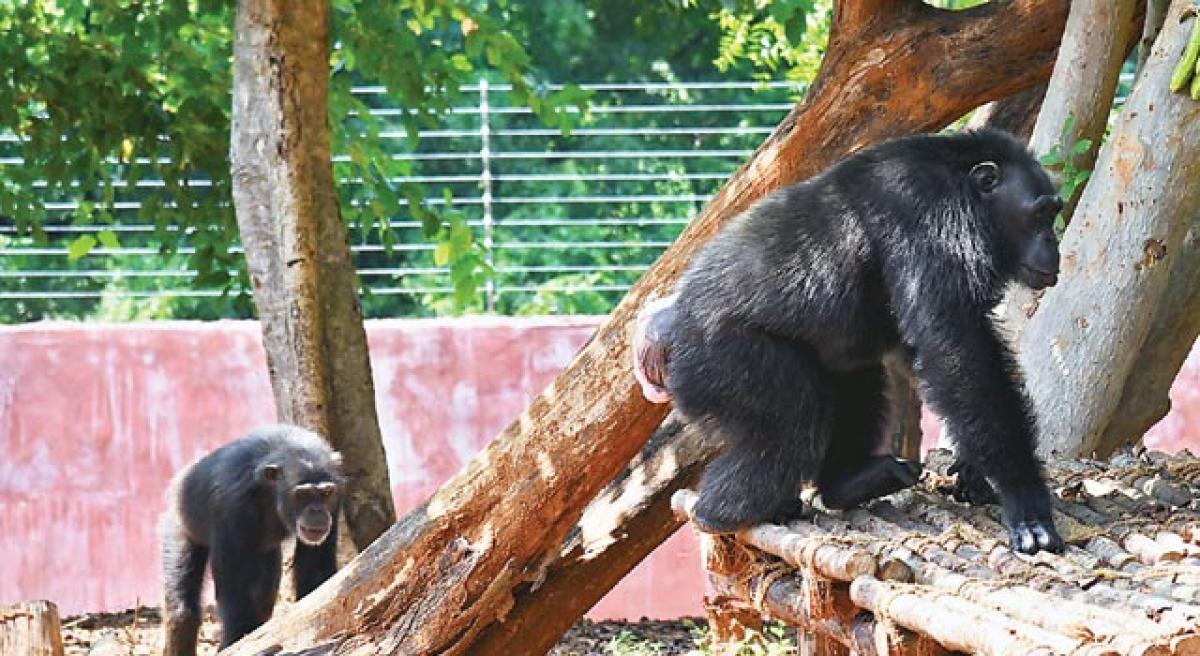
point(137, 633)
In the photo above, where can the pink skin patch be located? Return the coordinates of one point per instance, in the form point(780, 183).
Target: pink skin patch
point(652, 389)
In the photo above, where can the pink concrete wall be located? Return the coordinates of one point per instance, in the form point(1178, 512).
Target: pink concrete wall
point(94, 419)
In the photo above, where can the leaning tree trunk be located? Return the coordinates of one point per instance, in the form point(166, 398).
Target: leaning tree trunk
point(1176, 326)
point(1118, 258)
point(463, 560)
point(297, 252)
point(1098, 36)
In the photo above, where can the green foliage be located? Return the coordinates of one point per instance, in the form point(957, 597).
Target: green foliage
point(1061, 158)
point(786, 37)
point(418, 253)
point(125, 104)
point(1188, 65)
point(626, 643)
point(104, 95)
point(774, 640)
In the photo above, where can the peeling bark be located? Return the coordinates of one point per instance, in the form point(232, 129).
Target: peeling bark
point(625, 522)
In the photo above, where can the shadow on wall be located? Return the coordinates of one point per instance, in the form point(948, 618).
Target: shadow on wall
point(94, 420)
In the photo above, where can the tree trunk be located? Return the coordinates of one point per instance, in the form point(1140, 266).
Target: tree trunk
point(1098, 36)
point(1118, 258)
point(1156, 13)
point(31, 629)
point(1145, 399)
point(1016, 114)
point(297, 253)
point(903, 427)
point(448, 570)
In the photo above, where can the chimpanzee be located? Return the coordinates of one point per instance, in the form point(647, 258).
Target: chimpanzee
point(781, 322)
point(233, 507)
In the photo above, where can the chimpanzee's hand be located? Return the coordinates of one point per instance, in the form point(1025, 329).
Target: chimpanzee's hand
point(1030, 524)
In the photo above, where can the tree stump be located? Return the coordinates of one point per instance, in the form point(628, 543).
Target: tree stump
point(31, 629)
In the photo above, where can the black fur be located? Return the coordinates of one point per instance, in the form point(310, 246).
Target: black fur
point(784, 318)
point(232, 508)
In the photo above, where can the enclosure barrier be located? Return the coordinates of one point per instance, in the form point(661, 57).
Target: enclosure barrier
point(559, 215)
point(917, 573)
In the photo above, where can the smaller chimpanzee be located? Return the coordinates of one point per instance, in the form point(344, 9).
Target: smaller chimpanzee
point(234, 506)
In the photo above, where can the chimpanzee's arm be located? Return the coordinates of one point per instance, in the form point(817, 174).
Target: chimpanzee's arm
point(971, 378)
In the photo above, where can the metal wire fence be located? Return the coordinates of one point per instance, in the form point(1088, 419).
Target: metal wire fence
point(564, 217)
point(569, 222)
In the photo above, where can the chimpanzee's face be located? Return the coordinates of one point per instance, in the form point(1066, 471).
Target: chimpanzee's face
point(306, 496)
point(1023, 203)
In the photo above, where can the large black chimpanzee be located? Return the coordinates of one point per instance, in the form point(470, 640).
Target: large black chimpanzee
point(777, 336)
point(232, 508)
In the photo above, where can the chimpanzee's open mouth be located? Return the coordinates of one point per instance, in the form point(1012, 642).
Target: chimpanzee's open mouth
point(311, 535)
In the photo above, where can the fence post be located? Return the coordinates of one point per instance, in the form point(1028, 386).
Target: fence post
point(485, 179)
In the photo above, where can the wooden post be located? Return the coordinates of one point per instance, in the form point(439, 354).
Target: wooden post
point(732, 621)
point(30, 629)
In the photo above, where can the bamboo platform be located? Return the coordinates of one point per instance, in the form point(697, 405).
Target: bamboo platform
point(918, 573)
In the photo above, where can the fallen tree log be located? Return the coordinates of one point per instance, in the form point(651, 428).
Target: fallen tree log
point(462, 561)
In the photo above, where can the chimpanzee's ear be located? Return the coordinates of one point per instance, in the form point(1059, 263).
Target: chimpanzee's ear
point(268, 473)
point(985, 176)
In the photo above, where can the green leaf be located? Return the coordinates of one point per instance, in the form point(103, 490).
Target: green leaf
point(1081, 146)
point(80, 247)
point(795, 29)
point(441, 254)
point(1067, 128)
point(108, 239)
point(1051, 158)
